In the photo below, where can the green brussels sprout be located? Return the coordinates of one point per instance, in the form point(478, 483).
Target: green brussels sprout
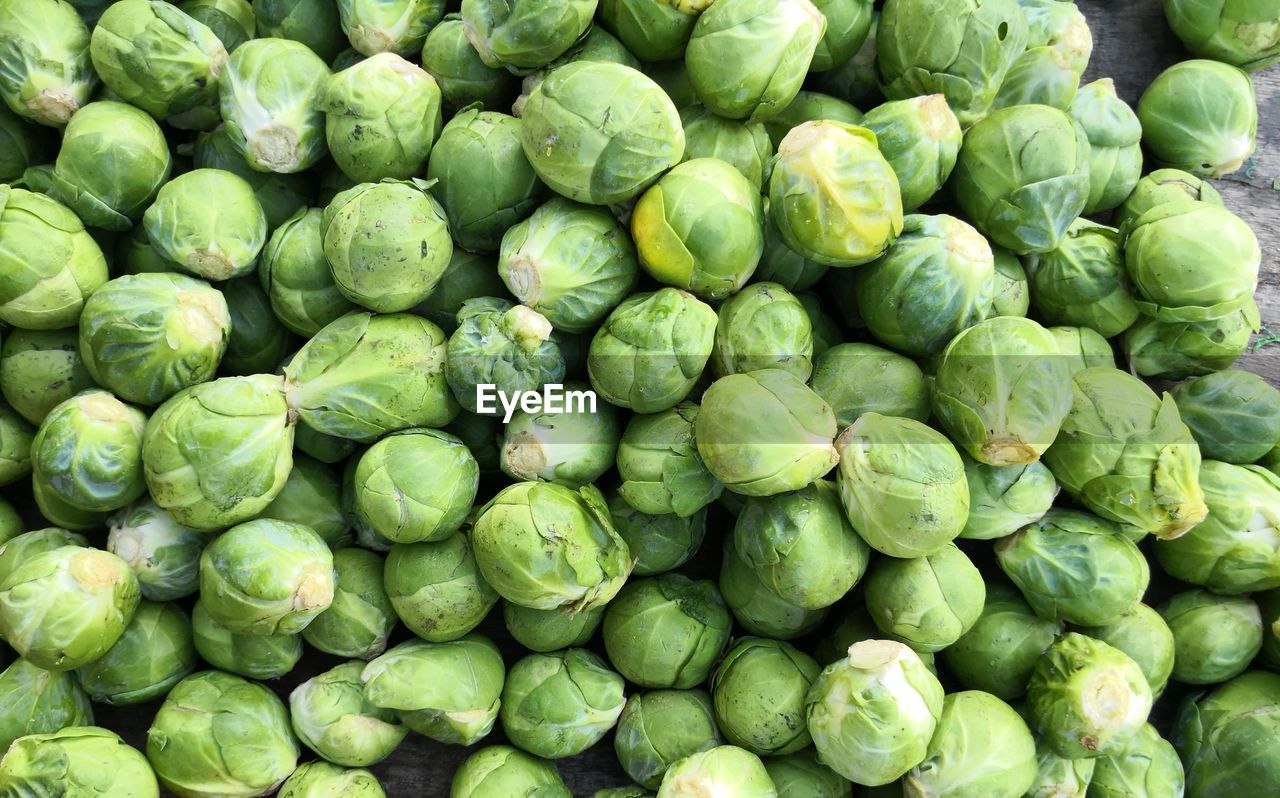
point(1243, 34)
point(655, 30)
point(447, 691)
point(258, 341)
point(803, 776)
point(1083, 281)
point(253, 656)
point(790, 447)
point(88, 453)
point(982, 748)
point(296, 275)
point(1060, 777)
point(312, 22)
point(926, 602)
point(66, 607)
point(113, 160)
point(571, 263)
point(280, 196)
point(38, 701)
point(246, 416)
point(1086, 698)
point(545, 631)
point(826, 331)
point(1058, 48)
point(231, 20)
point(848, 26)
point(1001, 391)
point(1165, 239)
point(599, 132)
point(725, 769)
point(215, 240)
point(659, 543)
point(744, 146)
point(252, 594)
point(11, 523)
point(50, 262)
point(461, 73)
point(1075, 567)
point(856, 378)
point(1143, 634)
point(662, 472)
point(810, 106)
point(920, 138)
point(1174, 350)
point(1023, 176)
point(698, 228)
point(364, 375)
point(763, 326)
point(522, 35)
point(1004, 499)
point(17, 550)
point(666, 631)
point(747, 58)
point(889, 468)
point(801, 546)
point(15, 445)
point(312, 497)
point(377, 26)
point(155, 56)
point(758, 609)
point(499, 771)
point(999, 651)
point(872, 713)
point(1233, 415)
point(469, 275)
point(59, 512)
point(966, 57)
point(1215, 637)
point(573, 448)
point(45, 71)
point(1126, 455)
point(23, 145)
point(436, 588)
point(321, 779)
point(651, 350)
point(1224, 737)
point(935, 282)
point(500, 350)
point(1011, 290)
point(1234, 549)
point(782, 265)
point(381, 118)
point(192, 752)
point(40, 369)
point(392, 498)
point(1115, 152)
point(482, 436)
point(854, 626)
point(857, 79)
point(560, 704)
point(661, 727)
point(833, 196)
point(360, 619)
point(583, 567)
point(1083, 348)
point(1200, 116)
point(1161, 186)
point(332, 717)
point(759, 691)
point(1149, 766)
point(388, 244)
point(1269, 605)
point(153, 654)
point(83, 760)
point(272, 101)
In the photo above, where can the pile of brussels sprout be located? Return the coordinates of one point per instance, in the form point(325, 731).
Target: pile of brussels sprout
point(854, 487)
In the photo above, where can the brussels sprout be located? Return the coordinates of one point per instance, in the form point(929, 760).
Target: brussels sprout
point(22, 145)
point(854, 626)
point(400, 26)
point(858, 378)
point(312, 497)
point(258, 340)
point(45, 73)
point(661, 470)
point(1148, 767)
point(920, 138)
point(1233, 415)
point(550, 630)
point(1161, 186)
point(600, 132)
point(192, 756)
point(332, 717)
point(324, 780)
point(826, 331)
point(872, 713)
point(661, 727)
point(253, 656)
point(1223, 737)
point(1058, 48)
point(231, 20)
point(584, 567)
point(802, 776)
point(38, 701)
point(1023, 176)
point(801, 546)
point(1141, 633)
point(469, 275)
point(76, 761)
point(1060, 777)
point(272, 100)
point(392, 498)
point(209, 223)
point(1269, 604)
point(364, 375)
point(848, 25)
point(758, 609)
point(18, 550)
point(759, 691)
point(659, 543)
point(1011, 297)
point(982, 748)
point(280, 195)
point(651, 350)
point(724, 769)
point(1083, 281)
point(312, 22)
point(360, 619)
point(15, 445)
point(666, 631)
point(1115, 153)
point(88, 453)
point(1086, 698)
point(763, 327)
point(926, 602)
point(888, 467)
point(1074, 567)
point(436, 588)
point(783, 265)
point(523, 35)
point(66, 607)
point(153, 654)
point(50, 263)
point(1003, 499)
point(966, 57)
point(744, 146)
point(1083, 348)
point(573, 448)
point(296, 275)
point(1200, 116)
point(810, 106)
point(655, 30)
point(999, 651)
point(500, 770)
point(1215, 637)
point(560, 704)
point(1174, 350)
point(446, 691)
point(462, 75)
point(1240, 33)
point(500, 350)
point(11, 523)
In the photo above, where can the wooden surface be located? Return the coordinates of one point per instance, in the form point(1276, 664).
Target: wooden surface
point(1131, 45)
